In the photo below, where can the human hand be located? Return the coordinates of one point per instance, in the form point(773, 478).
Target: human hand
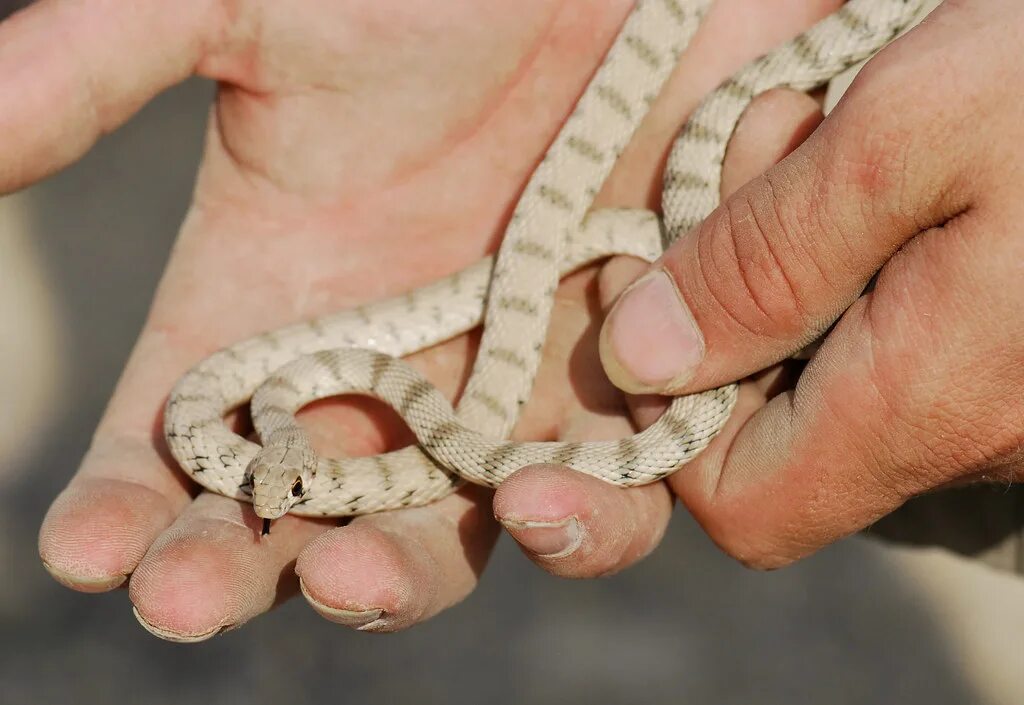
point(330, 150)
point(916, 177)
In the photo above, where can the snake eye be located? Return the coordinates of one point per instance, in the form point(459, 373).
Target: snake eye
point(297, 488)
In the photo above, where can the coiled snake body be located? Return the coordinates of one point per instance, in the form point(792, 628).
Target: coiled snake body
point(550, 233)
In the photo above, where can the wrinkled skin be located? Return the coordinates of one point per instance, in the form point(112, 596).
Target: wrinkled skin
point(355, 150)
point(916, 177)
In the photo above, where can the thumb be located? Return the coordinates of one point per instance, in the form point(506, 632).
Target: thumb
point(780, 260)
point(73, 71)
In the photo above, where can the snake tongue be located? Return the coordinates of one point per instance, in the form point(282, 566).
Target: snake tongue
point(266, 527)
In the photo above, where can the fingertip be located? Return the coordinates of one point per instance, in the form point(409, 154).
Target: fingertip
point(97, 530)
point(185, 592)
point(540, 493)
point(574, 525)
point(773, 125)
point(540, 507)
point(650, 341)
point(188, 587)
point(364, 577)
point(389, 571)
point(615, 277)
point(212, 571)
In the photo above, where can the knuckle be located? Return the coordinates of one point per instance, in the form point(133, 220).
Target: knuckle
point(758, 268)
point(867, 170)
point(881, 141)
point(934, 425)
point(884, 433)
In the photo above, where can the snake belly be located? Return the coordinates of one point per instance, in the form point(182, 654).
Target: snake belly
point(550, 233)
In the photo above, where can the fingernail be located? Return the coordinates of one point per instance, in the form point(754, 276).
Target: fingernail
point(546, 539)
point(82, 584)
point(168, 635)
point(650, 342)
point(357, 619)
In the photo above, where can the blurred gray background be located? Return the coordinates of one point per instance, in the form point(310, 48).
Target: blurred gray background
point(79, 257)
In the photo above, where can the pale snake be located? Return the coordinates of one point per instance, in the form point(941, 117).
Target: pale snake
point(549, 234)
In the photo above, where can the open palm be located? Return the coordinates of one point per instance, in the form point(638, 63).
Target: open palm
point(355, 150)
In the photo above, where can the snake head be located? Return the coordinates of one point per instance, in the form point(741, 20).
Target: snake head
point(281, 476)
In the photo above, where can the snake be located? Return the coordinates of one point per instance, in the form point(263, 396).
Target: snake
point(552, 231)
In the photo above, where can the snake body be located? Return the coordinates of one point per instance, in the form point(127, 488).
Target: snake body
point(549, 234)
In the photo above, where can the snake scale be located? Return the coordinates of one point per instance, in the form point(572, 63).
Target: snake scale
point(550, 233)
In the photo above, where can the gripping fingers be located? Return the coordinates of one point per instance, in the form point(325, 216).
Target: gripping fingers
point(918, 386)
point(571, 524)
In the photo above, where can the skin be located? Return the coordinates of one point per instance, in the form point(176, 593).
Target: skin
point(916, 176)
point(291, 200)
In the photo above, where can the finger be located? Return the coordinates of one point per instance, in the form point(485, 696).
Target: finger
point(127, 489)
point(576, 526)
point(773, 125)
point(389, 571)
point(99, 528)
point(777, 263)
point(213, 571)
point(916, 387)
point(72, 71)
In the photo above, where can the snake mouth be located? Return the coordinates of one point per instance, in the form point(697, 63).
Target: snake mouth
point(266, 526)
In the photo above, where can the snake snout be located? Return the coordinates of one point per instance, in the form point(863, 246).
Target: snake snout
point(280, 478)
